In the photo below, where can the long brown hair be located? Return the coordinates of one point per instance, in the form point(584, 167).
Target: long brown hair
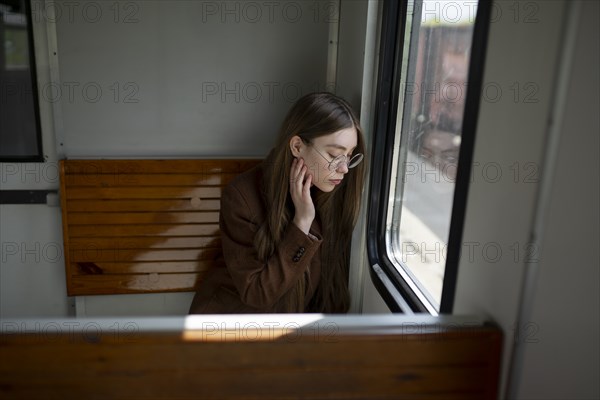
point(312, 116)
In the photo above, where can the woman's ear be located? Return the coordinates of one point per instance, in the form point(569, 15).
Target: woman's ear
point(296, 146)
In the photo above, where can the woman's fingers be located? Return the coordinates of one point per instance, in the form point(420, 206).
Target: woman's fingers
point(296, 170)
point(307, 185)
point(300, 183)
point(298, 173)
point(303, 183)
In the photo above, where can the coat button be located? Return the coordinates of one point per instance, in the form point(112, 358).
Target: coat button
point(296, 259)
point(301, 250)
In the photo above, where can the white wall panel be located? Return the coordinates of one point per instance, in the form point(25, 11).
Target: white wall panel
point(32, 272)
point(184, 78)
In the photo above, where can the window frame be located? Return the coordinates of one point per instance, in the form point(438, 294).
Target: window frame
point(395, 290)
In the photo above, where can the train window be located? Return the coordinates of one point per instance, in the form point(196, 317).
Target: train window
point(20, 137)
point(431, 59)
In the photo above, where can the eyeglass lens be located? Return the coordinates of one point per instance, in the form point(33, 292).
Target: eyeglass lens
point(353, 162)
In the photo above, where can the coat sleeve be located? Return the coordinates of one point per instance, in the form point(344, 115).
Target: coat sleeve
point(261, 284)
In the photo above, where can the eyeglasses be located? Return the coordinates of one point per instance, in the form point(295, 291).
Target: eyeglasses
point(341, 159)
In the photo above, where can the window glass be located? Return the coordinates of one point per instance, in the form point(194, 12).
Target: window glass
point(19, 128)
point(433, 87)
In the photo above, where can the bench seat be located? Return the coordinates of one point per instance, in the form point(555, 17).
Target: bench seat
point(292, 356)
point(142, 226)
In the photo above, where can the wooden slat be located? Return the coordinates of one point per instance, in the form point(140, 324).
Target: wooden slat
point(299, 364)
point(207, 192)
point(143, 267)
point(96, 255)
point(128, 167)
point(193, 204)
point(184, 217)
point(132, 283)
point(354, 383)
point(166, 242)
point(114, 180)
point(123, 231)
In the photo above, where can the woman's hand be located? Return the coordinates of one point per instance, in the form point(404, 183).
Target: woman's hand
point(300, 183)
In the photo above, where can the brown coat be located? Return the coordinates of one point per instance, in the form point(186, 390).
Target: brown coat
point(245, 284)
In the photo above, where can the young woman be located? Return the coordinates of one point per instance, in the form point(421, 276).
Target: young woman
point(286, 224)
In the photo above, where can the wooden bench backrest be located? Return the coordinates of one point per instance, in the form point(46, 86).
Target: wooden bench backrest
point(82, 360)
point(141, 226)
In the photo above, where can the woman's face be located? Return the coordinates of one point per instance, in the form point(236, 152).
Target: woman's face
point(324, 149)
